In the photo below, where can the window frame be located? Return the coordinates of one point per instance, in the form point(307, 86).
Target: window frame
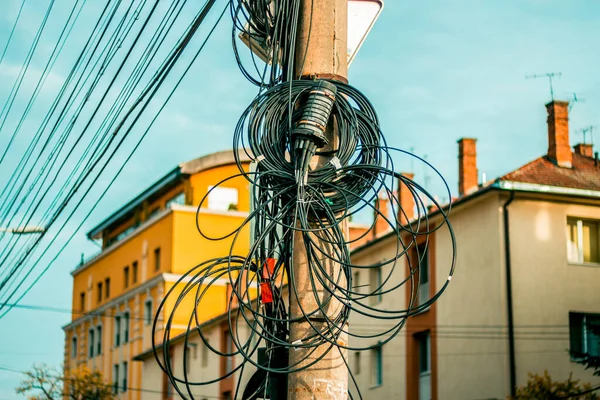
point(116, 379)
point(423, 341)
point(91, 342)
point(191, 353)
point(82, 302)
point(228, 350)
point(178, 198)
point(117, 330)
point(157, 255)
point(100, 289)
point(124, 387)
point(581, 354)
point(422, 257)
point(126, 277)
point(148, 313)
point(375, 285)
point(107, 288)
point(357, 363)
point(204, 357)
point(74, 348)
point(125, 321)
point(579, 222)
point(99, 339)
point(134, 272)
point(377, 366)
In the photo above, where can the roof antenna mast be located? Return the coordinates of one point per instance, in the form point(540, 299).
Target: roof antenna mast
point(550, 76)
point(585, 131)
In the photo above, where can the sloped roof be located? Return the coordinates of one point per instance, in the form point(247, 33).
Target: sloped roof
point(584, 174)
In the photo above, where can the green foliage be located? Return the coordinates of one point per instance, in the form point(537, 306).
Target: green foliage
point(544, 388)
point(44, 383)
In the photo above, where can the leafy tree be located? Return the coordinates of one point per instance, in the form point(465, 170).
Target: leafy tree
point(44, 383)
point(544, 388)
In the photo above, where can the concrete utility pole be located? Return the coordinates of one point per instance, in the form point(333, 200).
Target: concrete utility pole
point(321, 52)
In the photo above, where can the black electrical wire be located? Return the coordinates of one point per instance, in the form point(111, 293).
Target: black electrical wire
point(143, 101)
point(12, 31)
point(332, 193)
point(300, 204)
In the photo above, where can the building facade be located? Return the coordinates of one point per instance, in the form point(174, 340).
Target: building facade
point(525, 292)
point(522, 300)
point(147, 246)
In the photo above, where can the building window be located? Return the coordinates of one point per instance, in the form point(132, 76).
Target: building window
point(99, 339)
point(422, 259)
point(205, 351)
point(191, 351)
point(124, 388)
point(377, 366)
point(584, 335)
point(148, 312)
point(116, 378)
point(228, 351)
point(157, 259)
point(126, 327)
point(107, 288)
point(82, 302)
point(179, 198)
point(117, 331)
point(356, 283)
point(74, 347)
point(424, 353)
point(91, 343)
point(222, 198)
point(126, 277)
point(125, 233)
point(167, 389)
point(153, 213)
point(134, 272)
point(583, 244)
point(357, 363)
point(99, 292)
point(375, 282)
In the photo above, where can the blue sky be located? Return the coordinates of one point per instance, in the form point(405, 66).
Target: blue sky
point(435, 71)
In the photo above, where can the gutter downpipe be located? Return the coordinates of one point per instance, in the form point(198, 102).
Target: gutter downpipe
point(509, 300)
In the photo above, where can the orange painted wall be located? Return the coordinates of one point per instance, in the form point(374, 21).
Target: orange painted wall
point(190, 248)
point(110, 265)
point(181, 247)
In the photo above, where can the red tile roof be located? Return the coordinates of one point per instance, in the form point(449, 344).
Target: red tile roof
point(583, 175)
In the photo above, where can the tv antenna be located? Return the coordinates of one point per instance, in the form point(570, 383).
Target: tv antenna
point(550, 76)
point(575, 99)
point(585, 131)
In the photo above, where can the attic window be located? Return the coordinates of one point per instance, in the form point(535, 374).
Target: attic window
point(222, 198)
point(179, 198)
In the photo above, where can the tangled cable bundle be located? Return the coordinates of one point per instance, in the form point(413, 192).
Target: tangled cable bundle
point(306, 186)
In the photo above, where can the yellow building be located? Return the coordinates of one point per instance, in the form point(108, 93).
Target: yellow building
point(146, 247)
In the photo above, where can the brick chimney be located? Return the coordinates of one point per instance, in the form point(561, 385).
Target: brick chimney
point(559, 149)
point(381, 210)
point(467, 166)
point(406, 200)
point(584, 149)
